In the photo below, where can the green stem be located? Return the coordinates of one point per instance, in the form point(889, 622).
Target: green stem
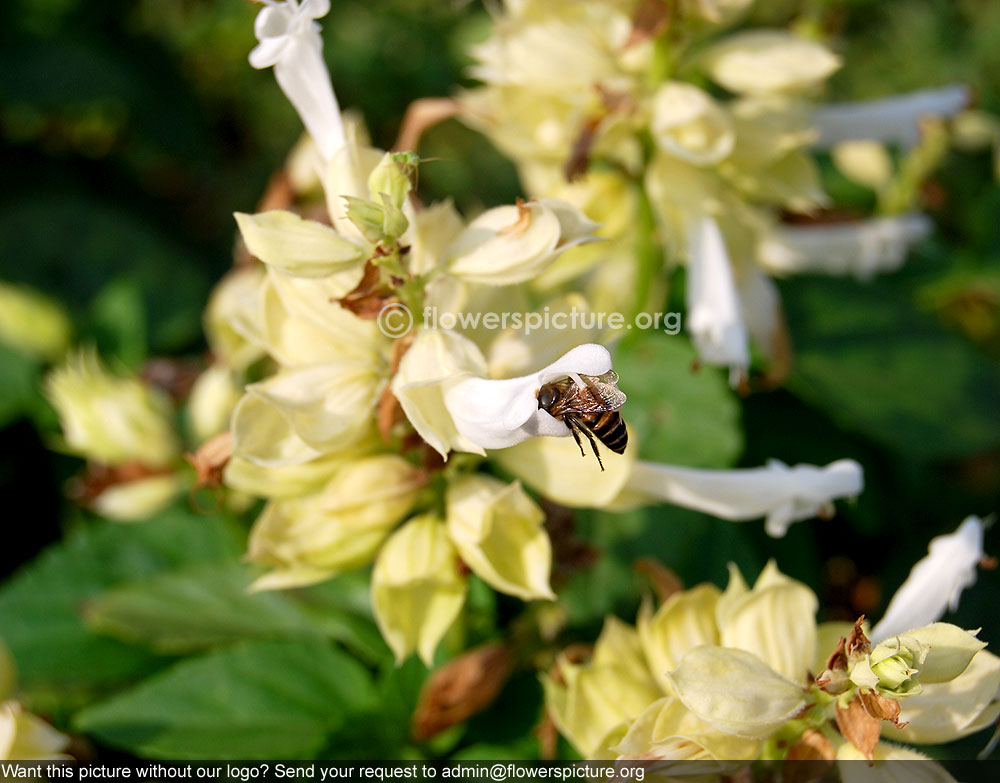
point(648, 257)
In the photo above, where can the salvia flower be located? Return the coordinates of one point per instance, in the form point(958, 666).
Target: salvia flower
point(289, 41)
point(936, 581)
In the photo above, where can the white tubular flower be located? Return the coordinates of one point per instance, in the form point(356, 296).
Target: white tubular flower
point(290, 42)
point(892, 120)
point(936, 582)
point(442, 389)
point(861, 248)
point(498, 414)
point(761, 303)
point(715, 319)
point(781, 494)
point(436, 361)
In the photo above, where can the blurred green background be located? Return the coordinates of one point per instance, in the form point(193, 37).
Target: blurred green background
point(132, 129)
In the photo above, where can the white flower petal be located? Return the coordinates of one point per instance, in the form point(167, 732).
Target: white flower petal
point(512, 244)
point(714, 319)
point(892, 120)
point(778, 492)
point(935, 582)
point(860, 248)
point(497, 414)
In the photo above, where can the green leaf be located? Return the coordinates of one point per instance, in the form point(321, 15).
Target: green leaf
point(209, 604)
point(696, 546)
point(118, 321)
point(105, 241)
point(41, 604)
point(255, 700)
point(20, 387)
point(681, 415)
point(877, 366)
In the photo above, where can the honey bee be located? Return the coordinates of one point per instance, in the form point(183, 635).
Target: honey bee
point(588, 405)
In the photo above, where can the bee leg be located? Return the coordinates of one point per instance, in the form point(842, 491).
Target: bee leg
point(593, 444)
point(574, 428)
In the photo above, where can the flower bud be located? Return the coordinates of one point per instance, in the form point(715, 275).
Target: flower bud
point(891, 667)
point(512, 244)
point(763, 61)
point(134, 501)
point(417, 589)
point(499, 533)
point(210, 406)
point(866, 162)
point(378, 221)
point(690, 125)
point(231, 317)
point(393, 177)
point(33, 323)
point(24, 737)
point(109, 418)
point(310, 538)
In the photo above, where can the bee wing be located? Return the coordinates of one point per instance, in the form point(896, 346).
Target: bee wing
point(600, 395)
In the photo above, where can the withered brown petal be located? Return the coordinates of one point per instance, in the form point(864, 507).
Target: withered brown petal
point(858, 727)
point(808, 759)
point(463, 687)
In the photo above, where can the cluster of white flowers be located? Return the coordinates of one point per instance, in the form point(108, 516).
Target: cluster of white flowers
point(351, 436)
point(615, 106)
point(369, 449)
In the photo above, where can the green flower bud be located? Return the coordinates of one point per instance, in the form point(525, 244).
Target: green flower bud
point(379, 223)
point(894, 671)
point(110, 418)
point(392, 177)
point(892, 667)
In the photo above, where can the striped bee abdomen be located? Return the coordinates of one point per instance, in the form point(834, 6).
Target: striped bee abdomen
point(609, 427)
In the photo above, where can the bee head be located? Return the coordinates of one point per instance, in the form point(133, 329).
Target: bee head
point(546, 397)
